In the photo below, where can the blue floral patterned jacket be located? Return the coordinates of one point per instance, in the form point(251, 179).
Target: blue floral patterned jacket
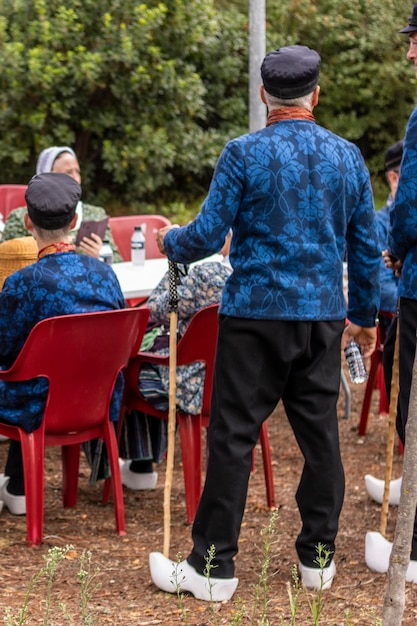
point(58, 284)
point(298, 199)
point(388, 280)
point(402, 237)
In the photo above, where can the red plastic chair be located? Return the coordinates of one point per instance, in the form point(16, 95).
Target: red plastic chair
point(11, 197)
point(81, 356)
point(122, 229)
point(375, 381)
point(197, 344)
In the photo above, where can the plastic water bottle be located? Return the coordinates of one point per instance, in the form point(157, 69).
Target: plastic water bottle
point(137, 246)
point(106, 253)
point(355, 362)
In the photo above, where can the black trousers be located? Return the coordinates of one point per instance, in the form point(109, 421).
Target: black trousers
point(14, 469)
point(407, 319)
point(407, 316)
point(257, 364)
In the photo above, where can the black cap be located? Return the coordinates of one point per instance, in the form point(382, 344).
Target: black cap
point(393, 155)
point(290, 72)
point(412, 22)
point(52, 199)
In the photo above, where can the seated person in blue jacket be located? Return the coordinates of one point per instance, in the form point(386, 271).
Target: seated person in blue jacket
point(36, 292)
point(144, 438)
point(63, 160)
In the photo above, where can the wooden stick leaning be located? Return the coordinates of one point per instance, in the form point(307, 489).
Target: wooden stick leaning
point(398, 574)
point(173, 320)
point(391, 434)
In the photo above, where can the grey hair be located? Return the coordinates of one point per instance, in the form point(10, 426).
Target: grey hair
point(52, 235)
point(304, 101)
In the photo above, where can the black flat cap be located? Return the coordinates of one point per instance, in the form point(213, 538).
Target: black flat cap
point(51, 200)
point(393, 155)
point(290, 72)
point(412, 22)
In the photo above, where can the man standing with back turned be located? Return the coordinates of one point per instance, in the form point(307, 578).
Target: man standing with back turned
point(298, 198)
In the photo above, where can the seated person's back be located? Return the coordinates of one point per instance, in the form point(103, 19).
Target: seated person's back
point(60, 282)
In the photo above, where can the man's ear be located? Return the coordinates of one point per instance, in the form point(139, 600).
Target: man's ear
point(27, 222)
point(315, 99)
point(73, 221)
point(262, 93)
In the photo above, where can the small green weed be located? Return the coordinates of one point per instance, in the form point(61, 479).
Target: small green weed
point(296, 590)
point(53, 560)
point(88, 586)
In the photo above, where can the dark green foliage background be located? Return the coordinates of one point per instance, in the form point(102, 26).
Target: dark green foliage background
point(147, 93)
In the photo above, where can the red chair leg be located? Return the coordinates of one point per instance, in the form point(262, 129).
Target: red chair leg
point(376, 360)
point(190, 427)
point(106, 491)
point(70, 466)
point(266, 455)
point(116, 479)
point(33, 467)
point(107, 483)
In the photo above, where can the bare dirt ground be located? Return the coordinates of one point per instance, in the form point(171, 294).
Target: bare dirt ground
point(127, 597)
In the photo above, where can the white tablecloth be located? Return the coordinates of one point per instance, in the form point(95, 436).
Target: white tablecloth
point(138, 281)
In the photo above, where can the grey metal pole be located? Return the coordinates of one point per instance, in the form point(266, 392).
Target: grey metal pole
point(257, 110)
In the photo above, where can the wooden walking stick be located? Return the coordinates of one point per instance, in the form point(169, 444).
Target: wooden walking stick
point(399, 570)
point(172, 402)
point(391, 434)
point(376, 544)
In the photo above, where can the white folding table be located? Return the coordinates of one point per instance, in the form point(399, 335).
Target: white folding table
point(138, 281)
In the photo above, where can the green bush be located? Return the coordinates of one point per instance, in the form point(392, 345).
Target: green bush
point(133, 87)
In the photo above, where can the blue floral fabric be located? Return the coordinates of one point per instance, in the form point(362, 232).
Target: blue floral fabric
point(402, 238)
point(298, 199)
point(57, 284)
point(200, 287)
point(388, 280)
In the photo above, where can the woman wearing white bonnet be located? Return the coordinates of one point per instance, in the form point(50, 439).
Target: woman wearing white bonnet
point(48, 157)
point(63, 160)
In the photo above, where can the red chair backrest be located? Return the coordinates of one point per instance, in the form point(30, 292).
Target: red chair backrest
point(199, 344)
point(122, 230)
point(11, 197)
point(80, 355)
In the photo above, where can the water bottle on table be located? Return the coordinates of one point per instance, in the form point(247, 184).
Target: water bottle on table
point(138, 247)
point(106, 253)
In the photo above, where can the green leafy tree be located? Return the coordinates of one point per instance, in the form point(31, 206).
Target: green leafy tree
point(132, 86)
point(147, 93)
point(368, 88)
